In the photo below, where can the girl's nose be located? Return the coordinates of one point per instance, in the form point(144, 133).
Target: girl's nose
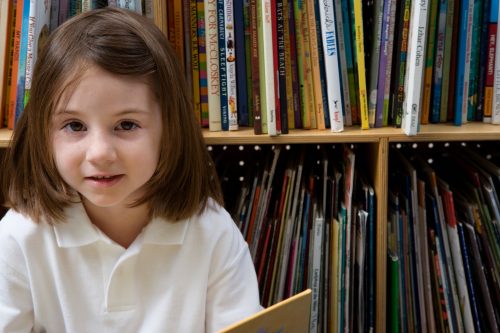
point(100, 148)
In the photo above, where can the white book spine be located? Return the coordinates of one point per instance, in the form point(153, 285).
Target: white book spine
point(267, 80)
point(212, 50)
point(331, 60)
point(495, 117)
point(415, 67)
point(316, 269)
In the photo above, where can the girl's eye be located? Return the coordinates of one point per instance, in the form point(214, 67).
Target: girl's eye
point(74, 126)
point(127, 125)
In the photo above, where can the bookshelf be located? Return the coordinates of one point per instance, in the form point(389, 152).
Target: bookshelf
point(377, 141)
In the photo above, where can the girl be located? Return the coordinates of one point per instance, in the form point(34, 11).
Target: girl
point(116, 221)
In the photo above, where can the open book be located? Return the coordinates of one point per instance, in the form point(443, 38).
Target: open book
point(291, 316)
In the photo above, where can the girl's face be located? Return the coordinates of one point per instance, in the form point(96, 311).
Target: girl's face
point(106, 138)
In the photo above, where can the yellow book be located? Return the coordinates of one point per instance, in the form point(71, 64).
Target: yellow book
point(309, 109)
point(360, 60)
point(195, 61)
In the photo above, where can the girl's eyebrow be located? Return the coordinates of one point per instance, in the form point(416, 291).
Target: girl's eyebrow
point(121, 113)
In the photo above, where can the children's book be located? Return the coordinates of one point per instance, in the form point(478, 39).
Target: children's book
point(291, 316)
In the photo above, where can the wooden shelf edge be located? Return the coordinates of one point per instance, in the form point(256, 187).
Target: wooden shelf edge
point(474, 131)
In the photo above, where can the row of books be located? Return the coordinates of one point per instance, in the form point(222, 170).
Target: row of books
point(282, 64)
point(308, 216)
point(24, 27)
point(443, 239)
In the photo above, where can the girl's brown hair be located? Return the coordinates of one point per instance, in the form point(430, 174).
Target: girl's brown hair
point(122, 43)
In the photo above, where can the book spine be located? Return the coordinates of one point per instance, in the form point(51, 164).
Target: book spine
point(415, 67)
point(483, 58)
point(315, 67)
point(470, 112)
point(309, 115)
point(429, 65)
point(296, 90)
point(448, 55)
point(376, 58)
point(463, 65)
point(266, 67)
point(274, 35)
point(495, 115)
point(331, 59)
point(490, 63)
point(26, 34)
point(195, 59)
point(437, 84)
point(254, 59)
point(212, 55)
point(288, 49)
point(241, 63)
point(281, 65)
point(385, 63)
point(298, 33)
point(342, 53)
point(202, 59)
point(230, 58)
point(221, 43)
point(360, 60)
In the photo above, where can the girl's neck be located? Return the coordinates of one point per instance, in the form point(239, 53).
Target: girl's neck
point(121, 224)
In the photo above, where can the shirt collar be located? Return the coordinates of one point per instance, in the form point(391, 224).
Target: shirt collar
point(78, 230)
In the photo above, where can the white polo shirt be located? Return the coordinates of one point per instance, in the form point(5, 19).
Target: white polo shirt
point(195, 275)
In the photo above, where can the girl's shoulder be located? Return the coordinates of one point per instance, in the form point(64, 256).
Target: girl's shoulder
point(17, 227)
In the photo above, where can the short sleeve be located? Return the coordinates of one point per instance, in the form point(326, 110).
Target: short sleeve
point(233, 292)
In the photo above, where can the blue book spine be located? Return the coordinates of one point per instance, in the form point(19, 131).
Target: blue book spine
point(241, 63)
point(462, 47)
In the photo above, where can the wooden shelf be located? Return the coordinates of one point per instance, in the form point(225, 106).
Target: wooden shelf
point(474, 131)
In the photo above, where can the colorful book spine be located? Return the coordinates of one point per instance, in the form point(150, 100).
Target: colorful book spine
point(385, 64)
point(415, 67)
point(241, 63)
point(281, 65)
point(288, 48)
point(195, 59)
point(255, 72)
point(360, 60)
point(495, 115)
point(202, 59)
point(332, 72)
point(276, 87)
point(230, 58)
point(490, 64)
point(27, 26)
point(483, 58)
point(212, 55)
point(6, 22)
point(309, 114)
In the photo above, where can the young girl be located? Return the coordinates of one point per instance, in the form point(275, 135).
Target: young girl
point(116, 223)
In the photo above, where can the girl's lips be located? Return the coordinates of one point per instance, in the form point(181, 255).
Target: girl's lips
point(104, 181)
